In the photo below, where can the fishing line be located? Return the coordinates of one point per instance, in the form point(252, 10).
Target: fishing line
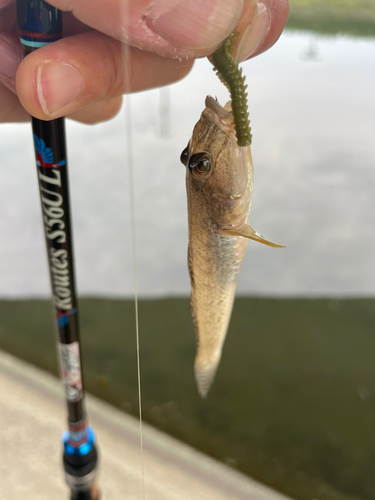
point(124, 14)
point(134, 251)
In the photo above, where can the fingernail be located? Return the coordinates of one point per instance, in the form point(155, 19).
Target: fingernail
point(194, 24)
point(58, 85)
point(255, 33)
point(9, 59)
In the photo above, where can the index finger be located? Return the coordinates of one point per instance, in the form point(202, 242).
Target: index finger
point(171, 28)
point(4, 3)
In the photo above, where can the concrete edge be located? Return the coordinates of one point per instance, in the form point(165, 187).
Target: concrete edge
point(122, 424)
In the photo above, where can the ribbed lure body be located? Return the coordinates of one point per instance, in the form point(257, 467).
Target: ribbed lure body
point(231, 75)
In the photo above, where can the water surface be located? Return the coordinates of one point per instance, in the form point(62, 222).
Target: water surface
point(313, 118)
point(293, 403)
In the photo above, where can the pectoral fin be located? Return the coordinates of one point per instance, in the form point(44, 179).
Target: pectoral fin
point(248, 232)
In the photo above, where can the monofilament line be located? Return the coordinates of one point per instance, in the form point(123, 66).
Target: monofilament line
point(129, 145)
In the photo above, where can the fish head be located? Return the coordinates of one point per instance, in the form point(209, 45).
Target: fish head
point(218, 171)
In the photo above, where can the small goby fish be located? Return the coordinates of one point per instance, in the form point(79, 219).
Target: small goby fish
point(219, 183)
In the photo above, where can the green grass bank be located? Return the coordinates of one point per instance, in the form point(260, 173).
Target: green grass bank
point(331, 17)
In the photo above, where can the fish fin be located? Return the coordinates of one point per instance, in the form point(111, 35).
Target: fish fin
point(248, 232)
point(204, 376)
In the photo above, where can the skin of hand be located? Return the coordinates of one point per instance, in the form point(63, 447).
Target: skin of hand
point(112, 47)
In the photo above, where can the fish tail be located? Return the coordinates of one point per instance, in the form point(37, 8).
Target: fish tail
point(204, 376)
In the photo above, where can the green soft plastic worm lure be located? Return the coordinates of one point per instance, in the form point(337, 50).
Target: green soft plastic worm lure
point(230, 74)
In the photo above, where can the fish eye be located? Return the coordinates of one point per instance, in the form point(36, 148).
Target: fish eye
point(184, 155)
point(200, 164)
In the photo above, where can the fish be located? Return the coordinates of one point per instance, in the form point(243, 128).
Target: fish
point(219, 186)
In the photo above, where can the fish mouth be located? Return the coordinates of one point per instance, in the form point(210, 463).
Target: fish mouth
point(221, 112)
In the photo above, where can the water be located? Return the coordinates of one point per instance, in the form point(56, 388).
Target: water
point(294, 397)
point(313, 119)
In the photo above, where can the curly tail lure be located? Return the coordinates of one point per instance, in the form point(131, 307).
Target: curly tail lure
point(230, 74)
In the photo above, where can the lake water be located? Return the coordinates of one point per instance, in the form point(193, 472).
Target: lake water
point(313, 120)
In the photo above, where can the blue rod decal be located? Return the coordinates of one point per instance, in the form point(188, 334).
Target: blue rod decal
point(36, 45)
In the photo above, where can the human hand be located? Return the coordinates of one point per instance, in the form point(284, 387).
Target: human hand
point(112, 47)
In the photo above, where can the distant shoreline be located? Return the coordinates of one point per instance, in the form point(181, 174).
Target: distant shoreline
point(353, 18)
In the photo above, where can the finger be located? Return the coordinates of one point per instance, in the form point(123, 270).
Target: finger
point(10, 58)
point(260, 27)
point(8, 17)
point(11, 109)
point(60, 78)
point(98, 111)
point(72, 26)
point(5, 3)
point(171, 28)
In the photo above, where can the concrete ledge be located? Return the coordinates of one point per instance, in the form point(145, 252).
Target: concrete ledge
point(32, 415)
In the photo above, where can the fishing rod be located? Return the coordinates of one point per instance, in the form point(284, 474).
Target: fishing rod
point(39, 25)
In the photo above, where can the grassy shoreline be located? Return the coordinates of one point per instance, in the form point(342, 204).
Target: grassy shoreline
point(332, 17)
